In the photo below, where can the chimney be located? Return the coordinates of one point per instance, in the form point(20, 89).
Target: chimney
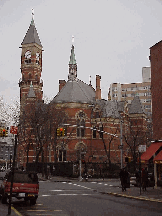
point(61, 84)
point(98, 90)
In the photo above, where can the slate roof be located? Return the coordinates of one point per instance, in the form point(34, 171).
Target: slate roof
point(136, 107)
point(31, 35)
point(110, 108)
point(75, 91)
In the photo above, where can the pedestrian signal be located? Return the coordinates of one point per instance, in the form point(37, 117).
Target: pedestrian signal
point(127, 159)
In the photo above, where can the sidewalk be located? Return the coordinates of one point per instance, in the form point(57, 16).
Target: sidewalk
point(154, 195)
point(4, 210)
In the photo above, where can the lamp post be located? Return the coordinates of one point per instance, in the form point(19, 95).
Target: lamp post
point(121, 141)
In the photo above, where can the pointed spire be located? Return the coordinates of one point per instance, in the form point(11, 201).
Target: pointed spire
point(72, 56)
point(136, 106)
point(32, 35)
point(31, 93)
point(32, 22)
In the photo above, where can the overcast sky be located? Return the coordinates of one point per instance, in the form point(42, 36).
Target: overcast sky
point(112, 39)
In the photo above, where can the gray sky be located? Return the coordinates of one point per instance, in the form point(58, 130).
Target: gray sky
point(112, 39)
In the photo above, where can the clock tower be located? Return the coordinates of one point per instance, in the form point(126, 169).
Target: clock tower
point(31, 65)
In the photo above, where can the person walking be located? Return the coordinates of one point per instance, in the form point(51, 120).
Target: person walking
point(123, 178)
point(144, 179)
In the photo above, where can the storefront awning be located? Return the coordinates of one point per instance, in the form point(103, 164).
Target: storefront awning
point(158, 158)
point(151, 151)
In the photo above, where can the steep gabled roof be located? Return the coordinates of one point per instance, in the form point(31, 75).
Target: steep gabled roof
point(75, 91)
point(31, 35)
point(110, 108)
point(136, 107)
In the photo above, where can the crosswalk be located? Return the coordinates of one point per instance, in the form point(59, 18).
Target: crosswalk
point(80, 188)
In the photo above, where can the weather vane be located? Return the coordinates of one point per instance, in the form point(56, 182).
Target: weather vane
point(72, 39)
point(33, 13)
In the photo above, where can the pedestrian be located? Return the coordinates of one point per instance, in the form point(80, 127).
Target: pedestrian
point(123, 178)
point(137, 175)
point(144, 178)
point(152, 180)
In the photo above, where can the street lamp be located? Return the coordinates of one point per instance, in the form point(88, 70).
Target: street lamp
point(121, 139)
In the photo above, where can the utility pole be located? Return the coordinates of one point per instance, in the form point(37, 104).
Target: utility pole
point(121, 142)
point(12, 176)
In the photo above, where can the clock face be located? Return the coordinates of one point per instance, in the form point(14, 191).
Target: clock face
point(28, 55)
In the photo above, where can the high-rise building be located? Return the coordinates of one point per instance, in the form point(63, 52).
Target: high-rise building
point(127, 91)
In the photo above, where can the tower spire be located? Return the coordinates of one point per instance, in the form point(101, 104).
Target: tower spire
point(72, 64)
point(32, 34)
point(32, 21)
point(72, 56)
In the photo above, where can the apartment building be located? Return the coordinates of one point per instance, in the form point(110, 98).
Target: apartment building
point(127, 91)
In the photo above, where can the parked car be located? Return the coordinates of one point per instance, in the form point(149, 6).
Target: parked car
point(25, 185)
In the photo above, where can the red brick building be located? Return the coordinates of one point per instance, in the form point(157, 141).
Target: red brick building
point(93, 125)
point(156, 88)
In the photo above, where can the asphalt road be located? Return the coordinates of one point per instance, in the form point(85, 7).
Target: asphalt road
point(84, 199)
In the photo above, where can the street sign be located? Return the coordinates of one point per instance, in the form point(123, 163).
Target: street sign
point(142, 148)
point(13, 129)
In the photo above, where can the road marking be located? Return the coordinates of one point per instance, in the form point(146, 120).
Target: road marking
point(46, 195)
point(105, 184)
point(110, 185)
point(56, 190)
point(100, 183)
point(64, 182)
point(93, 182)
point(42, 210)
point(69, 183)
point(74, 194)
point(66, 190)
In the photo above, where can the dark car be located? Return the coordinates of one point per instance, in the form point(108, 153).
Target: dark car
point(25, 185)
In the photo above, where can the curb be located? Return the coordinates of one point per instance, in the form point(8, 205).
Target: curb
point(16, 212)
point(116, 194)
point(133, 197)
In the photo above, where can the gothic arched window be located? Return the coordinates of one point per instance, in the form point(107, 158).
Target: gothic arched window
point(37, 58)
point(81, 125)
point(28, 57)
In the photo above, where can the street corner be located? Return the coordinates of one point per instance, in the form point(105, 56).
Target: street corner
point(143, 198)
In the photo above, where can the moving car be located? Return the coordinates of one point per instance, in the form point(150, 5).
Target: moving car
point(25, 185)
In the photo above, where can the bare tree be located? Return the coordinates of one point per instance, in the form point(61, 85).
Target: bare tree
point(135, 133)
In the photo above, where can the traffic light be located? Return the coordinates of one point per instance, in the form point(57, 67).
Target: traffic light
point(58, 131)
point(7, 131)
point(1, 132)
point(62, 132)
point(4, 132)
point(83, 161)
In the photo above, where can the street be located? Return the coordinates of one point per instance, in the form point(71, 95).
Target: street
point(84, 199)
